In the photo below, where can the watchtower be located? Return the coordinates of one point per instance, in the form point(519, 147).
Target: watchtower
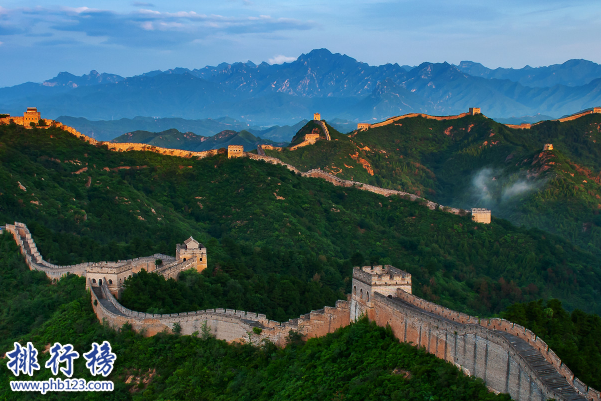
point(31, 116)
point(317, 117)
point(596, 109)
point(363, 126)
point(235, 151)
point(480, 215)
point(474, 110)
point(385, 280)
point(192, 249)
point(548, 146)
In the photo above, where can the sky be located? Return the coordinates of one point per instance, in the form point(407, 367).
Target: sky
point(39, 39)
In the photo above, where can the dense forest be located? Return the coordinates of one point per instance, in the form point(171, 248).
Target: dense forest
point(362, 361)
point(85, 203)
point(476, 162)
point(575, 337)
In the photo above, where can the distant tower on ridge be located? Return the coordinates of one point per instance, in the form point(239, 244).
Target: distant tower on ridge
point(317, 117)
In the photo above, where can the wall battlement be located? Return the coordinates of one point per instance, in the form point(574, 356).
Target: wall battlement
point(112, 273)
point(508, 338)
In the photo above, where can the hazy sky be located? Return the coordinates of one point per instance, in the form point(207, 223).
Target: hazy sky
point(38, 39)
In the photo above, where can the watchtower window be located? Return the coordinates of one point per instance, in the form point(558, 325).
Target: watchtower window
point(110, 281)
point(361, 293)
point(184, 259)
point(391, 276)
point(99, 281)
point(367, 296)
point(355, 290)
point(94, 280)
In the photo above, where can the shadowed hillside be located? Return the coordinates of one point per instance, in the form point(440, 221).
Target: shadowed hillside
point(475, 162)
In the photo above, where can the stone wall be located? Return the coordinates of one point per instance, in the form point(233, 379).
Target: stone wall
point(488, 348)
point(119, 147)
point(594, 110)
point(310, 139)
point(508, 357)
point(318, 173)
point(113, 273)
point(126, 147)
point(225, 324)
point(411, 115)
point(324, 128)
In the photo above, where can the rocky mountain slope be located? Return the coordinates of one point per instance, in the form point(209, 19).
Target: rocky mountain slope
point(335, 85)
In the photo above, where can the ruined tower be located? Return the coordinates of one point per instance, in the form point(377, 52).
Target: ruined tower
point(192, 249)
point(369, 279)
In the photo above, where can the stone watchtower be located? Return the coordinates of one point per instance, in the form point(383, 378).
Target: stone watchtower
point(235, 151)
point(317, 117)
point(480, 215)
point(192, 249)
point(548, 146)
point(474, 110)
point(31, 116)
point(385, 280)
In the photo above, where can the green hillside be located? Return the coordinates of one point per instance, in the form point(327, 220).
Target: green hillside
point(264, 225)
point(363, 361)
point(476, 162)
point(174, 139)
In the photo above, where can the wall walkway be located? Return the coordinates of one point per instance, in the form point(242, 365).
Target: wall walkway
point(508, 357)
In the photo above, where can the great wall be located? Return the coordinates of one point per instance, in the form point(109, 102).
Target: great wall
point(594, 110)
point(508, 357)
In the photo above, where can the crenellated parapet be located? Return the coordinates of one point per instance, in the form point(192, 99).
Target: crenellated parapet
point(114, 273)
point(507, 356)
point(225, 324)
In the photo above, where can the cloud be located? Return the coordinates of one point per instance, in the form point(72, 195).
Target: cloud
point(492, 188)
point(141, 4)
point(519, 188)
point(145, 27)
point(281, 59)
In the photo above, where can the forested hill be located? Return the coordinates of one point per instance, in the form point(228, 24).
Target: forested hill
point(266, 227)
point(362, 361)
point(174, 139)
point(476, 162)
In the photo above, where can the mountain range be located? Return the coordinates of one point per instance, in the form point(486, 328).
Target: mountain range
point(320, 81)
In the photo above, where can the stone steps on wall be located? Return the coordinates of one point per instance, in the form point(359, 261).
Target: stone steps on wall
point(544, 370)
